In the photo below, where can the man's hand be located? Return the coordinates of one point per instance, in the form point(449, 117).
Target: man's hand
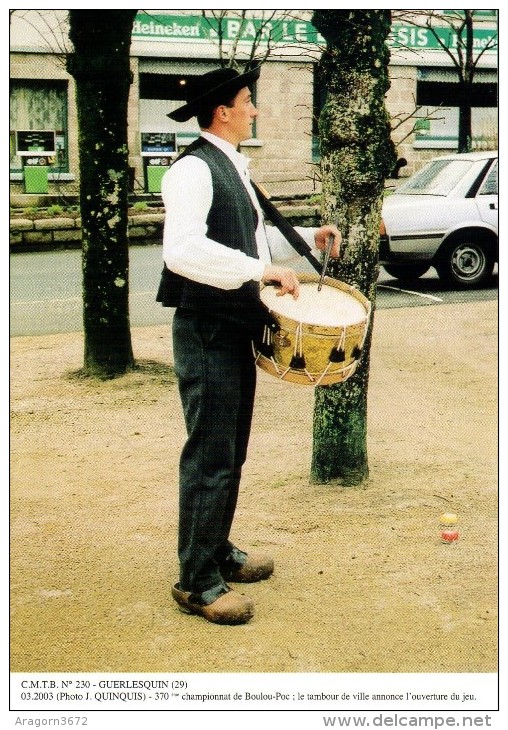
point(285, 278)
point(321, 239)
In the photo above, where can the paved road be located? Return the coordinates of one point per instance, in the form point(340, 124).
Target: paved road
point(45, 291)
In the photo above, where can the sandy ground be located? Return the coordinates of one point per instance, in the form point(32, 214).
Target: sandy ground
point(362, 581)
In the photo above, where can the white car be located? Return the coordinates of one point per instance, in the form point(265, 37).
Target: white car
point(445, 216)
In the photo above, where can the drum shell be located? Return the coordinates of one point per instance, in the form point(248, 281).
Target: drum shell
point(318, 342)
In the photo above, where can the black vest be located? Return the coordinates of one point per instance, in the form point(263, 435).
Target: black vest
point(232, 221)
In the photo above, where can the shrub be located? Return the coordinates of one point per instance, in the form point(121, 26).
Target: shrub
point(54, 210)
point(140, 206)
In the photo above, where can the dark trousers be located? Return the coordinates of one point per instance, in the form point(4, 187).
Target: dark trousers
point(216, 375)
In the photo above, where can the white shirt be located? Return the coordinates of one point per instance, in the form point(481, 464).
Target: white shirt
point(187, 194)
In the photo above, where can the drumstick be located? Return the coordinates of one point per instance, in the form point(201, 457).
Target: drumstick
point(329, 245)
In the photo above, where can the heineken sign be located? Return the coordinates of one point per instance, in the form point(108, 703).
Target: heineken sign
point(192, 28)
point(197, 28)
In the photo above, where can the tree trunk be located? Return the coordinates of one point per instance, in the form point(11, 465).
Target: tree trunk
point(466, 85)
point(356, 157)
point(465, 117)
point(100, 65)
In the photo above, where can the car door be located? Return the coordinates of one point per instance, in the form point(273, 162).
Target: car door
point(487, 198)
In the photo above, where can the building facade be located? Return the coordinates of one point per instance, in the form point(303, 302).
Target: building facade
point(169, 46)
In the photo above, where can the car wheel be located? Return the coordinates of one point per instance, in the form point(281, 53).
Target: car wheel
point(406, 271)
point(466, 264)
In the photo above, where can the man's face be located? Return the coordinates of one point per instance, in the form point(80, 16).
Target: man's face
point(241, 116)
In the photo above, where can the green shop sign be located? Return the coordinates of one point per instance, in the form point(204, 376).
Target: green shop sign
point(410, 36)
point(197, 28)
point(162, 27)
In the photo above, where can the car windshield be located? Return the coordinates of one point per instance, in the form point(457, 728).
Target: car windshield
point(439, 177)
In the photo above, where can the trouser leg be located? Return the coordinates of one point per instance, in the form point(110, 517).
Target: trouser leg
point(216, 377)
point(243, 428)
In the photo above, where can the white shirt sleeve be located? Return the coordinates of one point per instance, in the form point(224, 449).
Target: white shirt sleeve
point(282, 251)
point(187, 195)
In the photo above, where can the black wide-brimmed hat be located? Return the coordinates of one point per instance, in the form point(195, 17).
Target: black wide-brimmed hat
point(212, 87)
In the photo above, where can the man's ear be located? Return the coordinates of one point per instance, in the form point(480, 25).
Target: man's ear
point(222, 113)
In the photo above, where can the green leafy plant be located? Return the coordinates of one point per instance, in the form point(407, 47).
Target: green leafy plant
point(140, 206)
point(31, 211)
point(314, 199)
point(54, 210)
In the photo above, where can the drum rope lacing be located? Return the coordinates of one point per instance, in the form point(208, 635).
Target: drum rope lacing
point(341, 352)
point(298, 354)
point(267, 346)
point(298, 359)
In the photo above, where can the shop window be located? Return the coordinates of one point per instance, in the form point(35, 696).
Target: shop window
point(438, 96)
point(169, 88)
point(39, 106)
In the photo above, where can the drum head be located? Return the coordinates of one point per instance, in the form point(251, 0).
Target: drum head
point(331, 307)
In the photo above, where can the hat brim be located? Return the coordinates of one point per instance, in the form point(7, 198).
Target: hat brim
point(192, 107)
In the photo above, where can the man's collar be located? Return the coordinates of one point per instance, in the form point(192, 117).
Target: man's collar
point(227, 148)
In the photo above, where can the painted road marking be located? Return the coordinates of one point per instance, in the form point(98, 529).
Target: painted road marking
point(408, 291)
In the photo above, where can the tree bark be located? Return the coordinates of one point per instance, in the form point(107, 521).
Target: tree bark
point(466, 86)
point(465, 138)
point(100, 65)
point(357, 155)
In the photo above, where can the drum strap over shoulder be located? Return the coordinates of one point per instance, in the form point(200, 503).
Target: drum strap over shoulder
point(285, 227)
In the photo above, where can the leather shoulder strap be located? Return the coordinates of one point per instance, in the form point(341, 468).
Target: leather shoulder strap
point(287, 230)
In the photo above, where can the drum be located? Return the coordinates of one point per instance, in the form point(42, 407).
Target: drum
point(321, 333)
